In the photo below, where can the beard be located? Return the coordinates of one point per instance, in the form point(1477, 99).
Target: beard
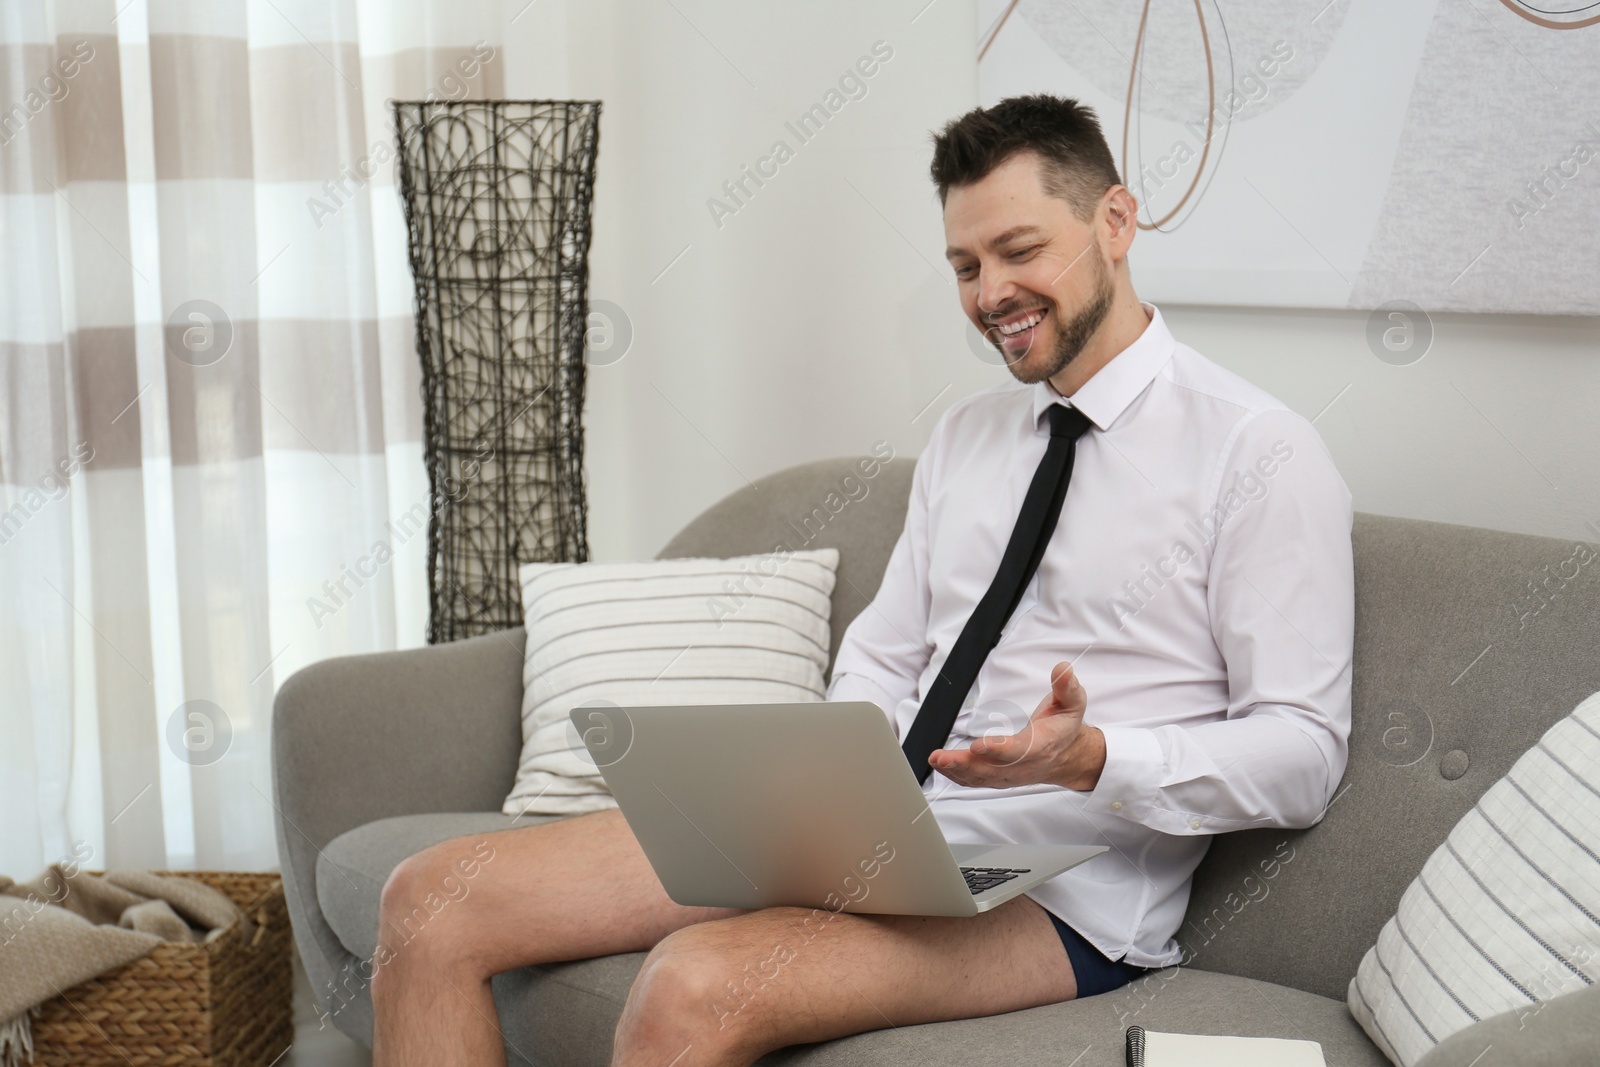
point(1072, 336)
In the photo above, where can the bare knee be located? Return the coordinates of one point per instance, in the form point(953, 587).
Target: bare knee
point(423, 913)
point(693, 988)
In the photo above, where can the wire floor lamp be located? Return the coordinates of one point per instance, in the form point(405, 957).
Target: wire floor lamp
point(497, 197)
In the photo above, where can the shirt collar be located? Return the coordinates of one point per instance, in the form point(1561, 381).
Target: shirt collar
point(1105, 396)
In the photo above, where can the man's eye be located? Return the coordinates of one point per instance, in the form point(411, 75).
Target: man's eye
point(1023, 252)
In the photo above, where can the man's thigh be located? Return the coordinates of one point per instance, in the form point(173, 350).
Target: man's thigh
point(564, 890)
point(788, 975)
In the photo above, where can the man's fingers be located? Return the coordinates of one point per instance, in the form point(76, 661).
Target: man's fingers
point(959, 766)
point(1063, 691)
point(964, 759)
point(1062, 679)
point(1066, 692)
point(995, 752)
point(990, 746)
point(975, 773)
point(1047, 704)
point(1006, 748)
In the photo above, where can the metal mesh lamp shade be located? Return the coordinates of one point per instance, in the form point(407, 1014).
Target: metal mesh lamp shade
point(497, 199)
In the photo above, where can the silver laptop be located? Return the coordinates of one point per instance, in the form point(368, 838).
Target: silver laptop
point(813, 805)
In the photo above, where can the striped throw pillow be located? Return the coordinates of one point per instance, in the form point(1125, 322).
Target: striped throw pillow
point(1506, 913)
point(747, 630)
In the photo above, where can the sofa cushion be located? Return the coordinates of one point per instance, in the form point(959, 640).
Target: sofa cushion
point(352, 869)
point(1503, 914)
point(563, 1016)
point(748, 630)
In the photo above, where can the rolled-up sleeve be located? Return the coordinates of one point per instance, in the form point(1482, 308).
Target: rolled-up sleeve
point(1281, 597)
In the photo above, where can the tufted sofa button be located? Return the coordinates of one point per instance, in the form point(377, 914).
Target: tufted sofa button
point(1453, 764)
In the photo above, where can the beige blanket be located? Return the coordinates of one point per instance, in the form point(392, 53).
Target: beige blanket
point(67, 926)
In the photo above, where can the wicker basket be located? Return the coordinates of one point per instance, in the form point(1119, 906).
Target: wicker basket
point(224, 1003)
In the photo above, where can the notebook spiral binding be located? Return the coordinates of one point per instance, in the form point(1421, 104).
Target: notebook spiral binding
point(1135, 1049)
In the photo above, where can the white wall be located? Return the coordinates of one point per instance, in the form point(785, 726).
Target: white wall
point(821, 316)
point(1496, 426)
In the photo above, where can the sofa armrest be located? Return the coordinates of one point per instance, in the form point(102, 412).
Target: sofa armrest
point(358, 738)
point(1564, 1032)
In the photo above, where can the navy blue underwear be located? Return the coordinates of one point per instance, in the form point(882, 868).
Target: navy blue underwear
point(1093, 970)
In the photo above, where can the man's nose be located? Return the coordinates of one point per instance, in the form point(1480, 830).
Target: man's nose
point(995, 291)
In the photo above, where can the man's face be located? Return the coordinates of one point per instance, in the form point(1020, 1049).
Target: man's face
point(1031, 277)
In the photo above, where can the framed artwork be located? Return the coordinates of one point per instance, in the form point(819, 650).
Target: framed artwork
point(1336, 153)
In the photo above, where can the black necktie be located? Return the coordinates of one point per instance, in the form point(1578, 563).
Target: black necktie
point(1037, 521)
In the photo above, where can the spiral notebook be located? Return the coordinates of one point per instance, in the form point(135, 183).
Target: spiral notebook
point(1151, 1048)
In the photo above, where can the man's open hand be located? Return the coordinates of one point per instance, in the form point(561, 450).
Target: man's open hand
point(1054, 747)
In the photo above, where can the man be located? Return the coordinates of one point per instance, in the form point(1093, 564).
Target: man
point(1184, 646)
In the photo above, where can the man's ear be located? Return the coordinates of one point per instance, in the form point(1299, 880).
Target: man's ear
point(1121, 220)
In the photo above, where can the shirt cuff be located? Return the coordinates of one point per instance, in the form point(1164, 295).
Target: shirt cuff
point(1134, 764)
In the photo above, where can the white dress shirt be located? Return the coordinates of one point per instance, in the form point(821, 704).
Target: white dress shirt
point(1200, 581)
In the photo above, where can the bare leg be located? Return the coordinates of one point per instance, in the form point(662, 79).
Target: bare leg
point(724, 993)
point(464, 910)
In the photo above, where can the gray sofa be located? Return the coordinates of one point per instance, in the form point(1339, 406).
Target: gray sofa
point(1459, 667)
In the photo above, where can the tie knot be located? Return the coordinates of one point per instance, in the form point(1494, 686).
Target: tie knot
point(1067, 422)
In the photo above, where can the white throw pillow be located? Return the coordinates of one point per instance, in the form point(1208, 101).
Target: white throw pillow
point(1506, 913)
point(747, 630)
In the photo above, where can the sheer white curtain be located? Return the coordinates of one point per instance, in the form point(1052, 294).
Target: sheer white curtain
point(209, 463)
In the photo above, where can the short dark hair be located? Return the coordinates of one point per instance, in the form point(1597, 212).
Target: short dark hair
point(1076, 162)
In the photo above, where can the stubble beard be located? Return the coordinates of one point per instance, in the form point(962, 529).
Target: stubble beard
point(1071, 338)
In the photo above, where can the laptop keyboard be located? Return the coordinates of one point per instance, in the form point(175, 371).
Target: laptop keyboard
point(982, 879)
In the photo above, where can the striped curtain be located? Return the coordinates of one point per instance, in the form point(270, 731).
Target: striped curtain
point(210, 469)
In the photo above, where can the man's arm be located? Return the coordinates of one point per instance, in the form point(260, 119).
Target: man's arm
point(885, 649)
point(1281, 599)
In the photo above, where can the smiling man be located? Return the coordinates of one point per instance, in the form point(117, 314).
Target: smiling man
point(1168, 549)
point(1191, 618)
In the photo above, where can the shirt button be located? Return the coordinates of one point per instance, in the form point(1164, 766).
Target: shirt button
point(1194, 824)
point(1116, 805)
